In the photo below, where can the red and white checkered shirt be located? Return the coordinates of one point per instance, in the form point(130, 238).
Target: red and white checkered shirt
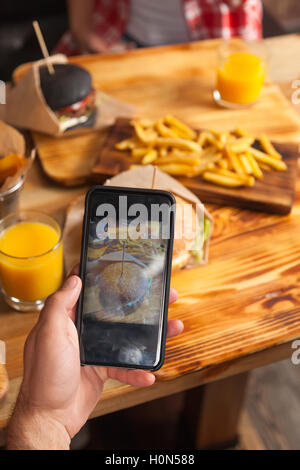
point(205, 19)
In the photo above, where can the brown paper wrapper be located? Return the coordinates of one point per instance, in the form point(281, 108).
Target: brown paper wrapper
point(3, 381)
point(26, 107)
point(12, 141)
point(11, 181)
point(137, 178)
point(142, 177)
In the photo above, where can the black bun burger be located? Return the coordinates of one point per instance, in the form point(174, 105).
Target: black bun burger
point(70, 94)
point(123, 287)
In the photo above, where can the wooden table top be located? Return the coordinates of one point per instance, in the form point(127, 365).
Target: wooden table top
point(240, 311)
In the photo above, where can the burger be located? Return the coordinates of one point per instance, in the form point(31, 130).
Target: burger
point(191, 235)
point(123, 287)
point(70, 95)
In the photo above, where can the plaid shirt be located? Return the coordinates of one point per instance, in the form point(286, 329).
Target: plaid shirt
point(205, 19)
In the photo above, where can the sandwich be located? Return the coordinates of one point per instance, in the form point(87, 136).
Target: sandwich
point(190, 246)
point(123, 287)
point(69, 93)
point(190, 235)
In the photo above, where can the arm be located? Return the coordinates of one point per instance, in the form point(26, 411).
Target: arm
point(57, 395)
point(31, 429)
point(81, 26)
point(80, 15)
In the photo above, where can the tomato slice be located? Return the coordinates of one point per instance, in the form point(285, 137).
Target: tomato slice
point(76, 106)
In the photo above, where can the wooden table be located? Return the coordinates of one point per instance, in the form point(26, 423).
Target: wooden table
point(241, 311)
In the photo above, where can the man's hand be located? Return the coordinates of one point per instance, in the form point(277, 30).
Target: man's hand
point(57, 395)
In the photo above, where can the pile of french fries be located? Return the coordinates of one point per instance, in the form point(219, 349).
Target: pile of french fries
point(223, 158)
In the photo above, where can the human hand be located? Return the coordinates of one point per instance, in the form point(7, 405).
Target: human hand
point(81, 25)
point(57, 395)
point(89, 42)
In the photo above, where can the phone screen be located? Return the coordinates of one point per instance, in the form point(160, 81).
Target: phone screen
point(125, 268)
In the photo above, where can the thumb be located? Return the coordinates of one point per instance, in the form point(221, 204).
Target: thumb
point(62, 302)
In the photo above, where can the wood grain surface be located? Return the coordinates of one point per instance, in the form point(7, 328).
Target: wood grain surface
point(176, 79)
point(241, 310)
point(274, 193)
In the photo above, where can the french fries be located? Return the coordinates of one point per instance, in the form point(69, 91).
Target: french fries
point(256, 171)
point(178, 143)
point(240, 132)
point(234, 161)
point(246, 164)
point(242, 144)
point(223, 163)
point(221, 180)
point(180, 128)
point(139, 152)
point(220, 157)
point(177, 169)
point(278, 165)
point(164, 130)
point(150, 157)
point(268, 147)
point(245, 180)
point(177, 158)
point(127, 144)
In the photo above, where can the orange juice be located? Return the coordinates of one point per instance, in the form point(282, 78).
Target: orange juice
point(31, 260)
point(240, 78)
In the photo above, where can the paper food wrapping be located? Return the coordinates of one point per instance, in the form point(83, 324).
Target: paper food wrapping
point(26, 107)
point(3, 381)
point(137, 178)
point(12, 141)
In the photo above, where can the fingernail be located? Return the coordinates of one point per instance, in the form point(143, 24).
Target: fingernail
point(70, 283)
point(153, 378)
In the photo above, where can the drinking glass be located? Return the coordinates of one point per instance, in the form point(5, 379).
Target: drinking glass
point(241, 73)
point(31, 259)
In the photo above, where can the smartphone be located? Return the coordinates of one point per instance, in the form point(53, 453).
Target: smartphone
point(126, 258)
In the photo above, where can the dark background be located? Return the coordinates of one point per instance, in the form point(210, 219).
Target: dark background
point(18, 43)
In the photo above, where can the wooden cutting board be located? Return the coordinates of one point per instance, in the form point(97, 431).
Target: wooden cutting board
point(176, 79)
point(274, 193)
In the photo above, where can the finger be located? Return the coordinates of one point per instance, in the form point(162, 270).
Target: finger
point(97, 44)
point(72, 311)
point(173, 295)
point(62, 303)
point(74, 270)
point(174, 328)
point(135, 377)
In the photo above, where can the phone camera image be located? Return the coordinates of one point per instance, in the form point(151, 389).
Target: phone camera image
point(124, 292)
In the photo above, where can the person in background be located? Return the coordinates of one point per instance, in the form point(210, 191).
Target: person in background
point(114, 25)
point(57, 395)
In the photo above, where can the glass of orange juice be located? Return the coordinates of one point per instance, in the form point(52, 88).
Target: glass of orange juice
point(31, 259)
point(241, 73)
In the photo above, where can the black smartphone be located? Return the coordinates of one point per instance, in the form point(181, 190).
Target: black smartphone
point(126, 258)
